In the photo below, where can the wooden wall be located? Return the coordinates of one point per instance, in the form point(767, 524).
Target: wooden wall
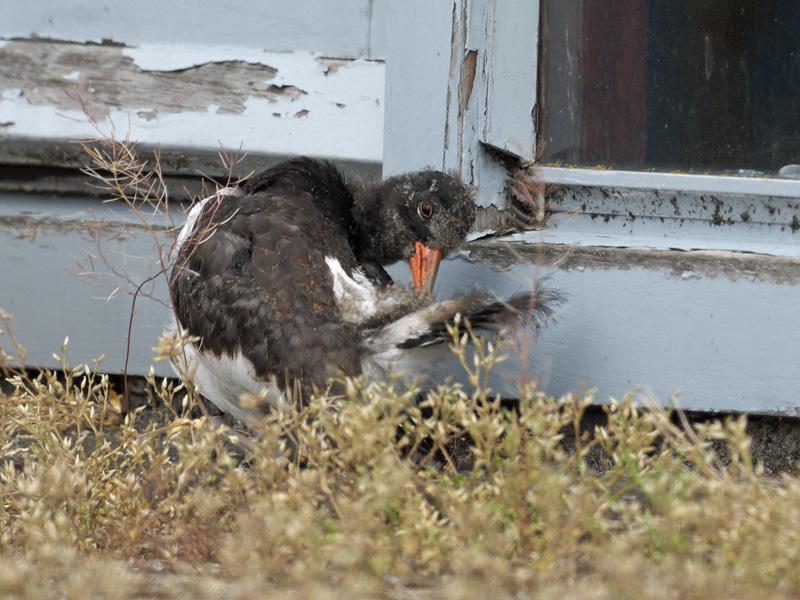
point(669, 291)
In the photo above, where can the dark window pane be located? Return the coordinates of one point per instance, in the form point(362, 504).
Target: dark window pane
point(694, 85)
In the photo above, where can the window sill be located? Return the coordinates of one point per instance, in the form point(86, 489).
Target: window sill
point(676, 182)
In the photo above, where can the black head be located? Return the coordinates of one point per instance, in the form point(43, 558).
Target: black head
point(428, 207)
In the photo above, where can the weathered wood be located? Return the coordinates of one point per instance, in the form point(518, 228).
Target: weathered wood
point(666, 182)
point(512, 49)
point(719, 324)
point(721, 327)
point(717, 343)
point(57, 263)
point(194, 97)
point(417, 73)
point(345, 28)
point(696, 264)
point(586, 216)
point(105, 77)
point(437, 115)
point(33, 165)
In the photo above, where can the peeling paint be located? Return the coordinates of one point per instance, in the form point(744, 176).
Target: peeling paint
point(694, 214)
point(468, 75)
point(672, 182)
point(11, 93)
point(195, 96)
point(455, 49)
point(341, 29)
point(331, 65)
point(511, 68)
point(113, 79)
point(621, 327)
point(683, 265)
point(147, 115)
point(166, 57)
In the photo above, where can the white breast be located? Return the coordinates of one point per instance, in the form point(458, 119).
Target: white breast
point(224, 380)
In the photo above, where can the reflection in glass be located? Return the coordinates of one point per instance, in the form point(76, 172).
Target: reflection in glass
point(701, 86)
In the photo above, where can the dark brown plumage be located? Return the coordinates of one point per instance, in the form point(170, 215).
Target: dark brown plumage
point(284, 278)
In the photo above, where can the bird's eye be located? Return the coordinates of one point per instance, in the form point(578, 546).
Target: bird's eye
point(425, 209)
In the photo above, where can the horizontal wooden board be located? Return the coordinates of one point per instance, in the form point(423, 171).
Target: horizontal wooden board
point(200, 97)
point(718, 329)
point(345, 28)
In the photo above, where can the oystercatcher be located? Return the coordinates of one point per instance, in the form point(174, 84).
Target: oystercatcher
point(282, 280)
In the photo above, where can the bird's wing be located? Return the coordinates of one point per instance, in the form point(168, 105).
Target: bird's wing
point(252, 278)
point(376, 274)
point(397, 341)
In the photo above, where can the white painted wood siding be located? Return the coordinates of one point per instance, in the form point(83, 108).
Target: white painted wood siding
point(675, 284)
point(267, 76)
point(344, 28)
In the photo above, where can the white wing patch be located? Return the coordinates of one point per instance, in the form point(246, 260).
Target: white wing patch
point(356, 296)
point(358, 299)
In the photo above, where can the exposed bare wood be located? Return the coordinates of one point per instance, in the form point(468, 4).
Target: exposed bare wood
point(104, 77)
point(192, 97)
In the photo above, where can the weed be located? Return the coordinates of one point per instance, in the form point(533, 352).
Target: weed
point(371, 499)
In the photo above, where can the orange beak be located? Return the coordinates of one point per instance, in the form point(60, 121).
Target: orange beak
point(424, 266)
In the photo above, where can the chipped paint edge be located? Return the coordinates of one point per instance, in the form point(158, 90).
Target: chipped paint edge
point(353, 133)
point(678, 182)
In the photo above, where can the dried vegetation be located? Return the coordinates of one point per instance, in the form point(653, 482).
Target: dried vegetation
point(366, 496)
point(373, 495)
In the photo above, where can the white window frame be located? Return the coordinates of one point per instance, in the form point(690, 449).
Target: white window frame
point(678, 182)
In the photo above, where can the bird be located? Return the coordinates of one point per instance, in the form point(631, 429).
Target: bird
point(280, 283)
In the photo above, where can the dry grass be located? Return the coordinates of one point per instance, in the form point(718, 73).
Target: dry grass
point(92, 505)
point(334, 502)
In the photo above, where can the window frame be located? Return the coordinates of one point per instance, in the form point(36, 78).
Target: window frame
point(654, 181)
point(677, 182)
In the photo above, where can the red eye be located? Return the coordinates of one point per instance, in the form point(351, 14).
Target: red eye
point(425, 209)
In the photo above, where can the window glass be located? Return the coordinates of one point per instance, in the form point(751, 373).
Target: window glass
point(688, 85)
